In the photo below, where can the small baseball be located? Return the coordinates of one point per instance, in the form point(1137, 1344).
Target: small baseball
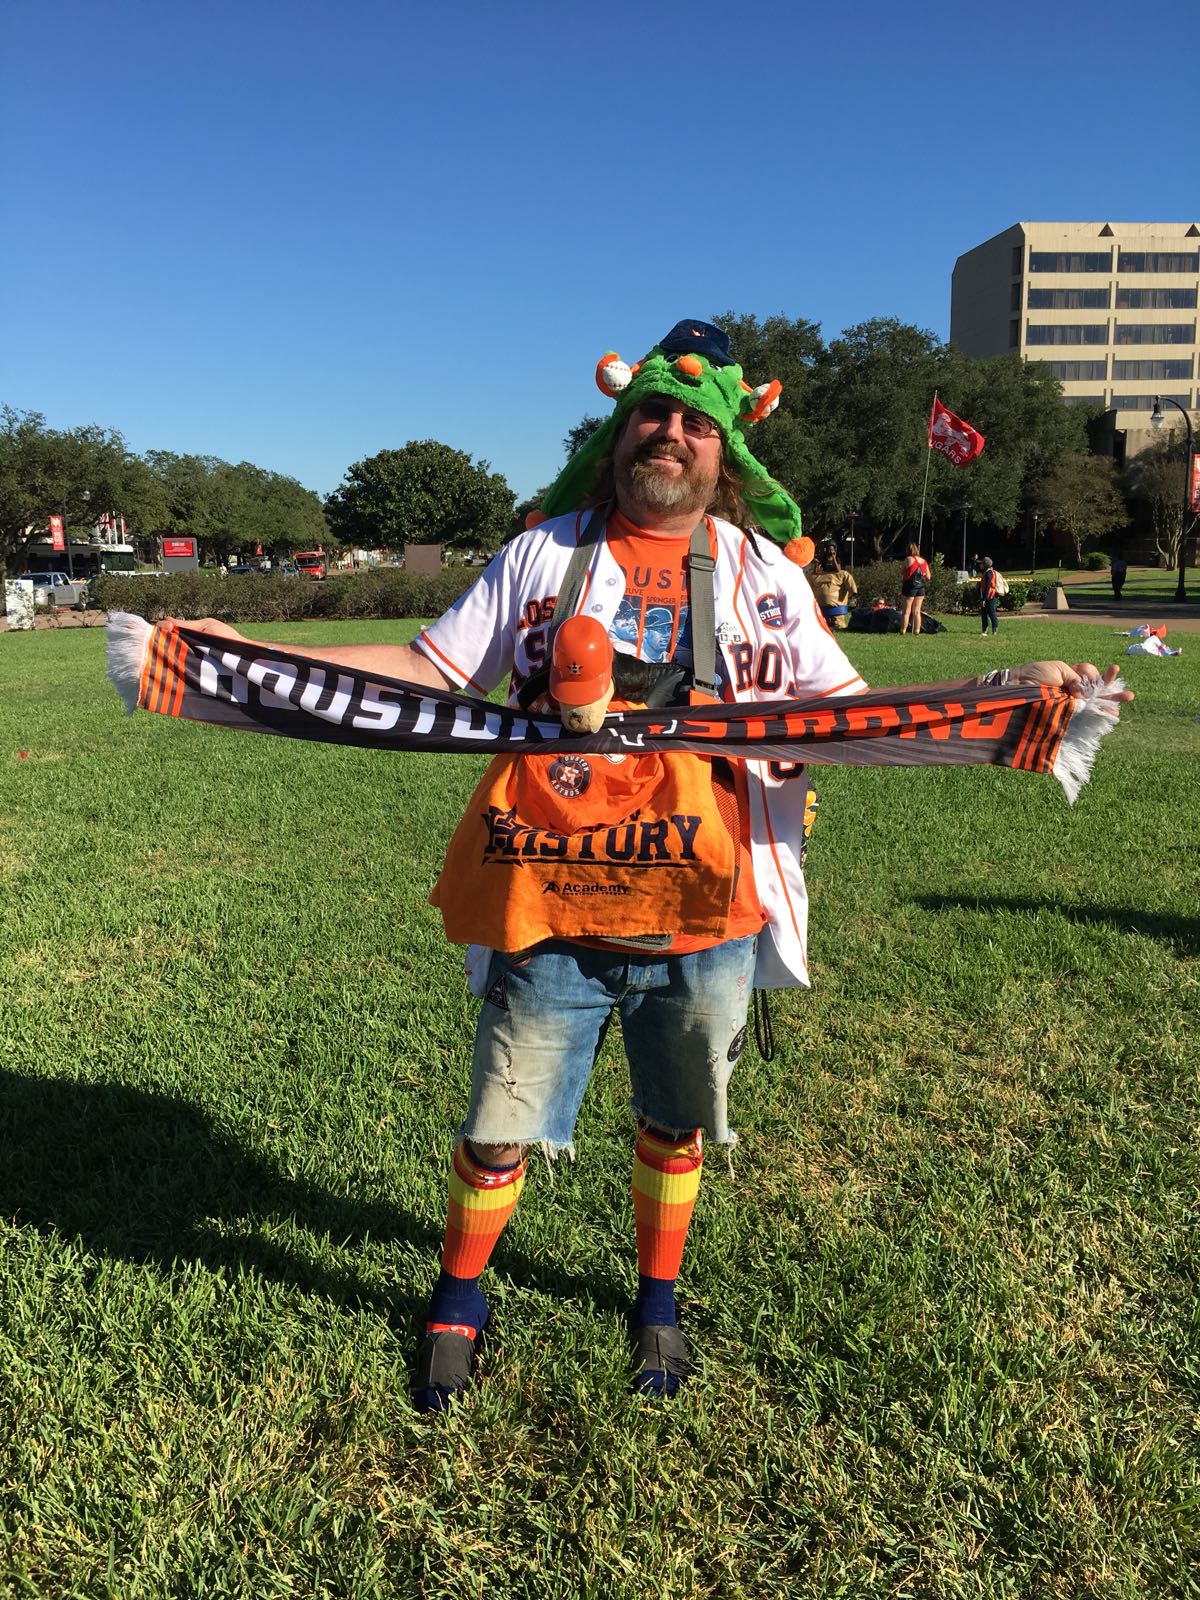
point(613, 376)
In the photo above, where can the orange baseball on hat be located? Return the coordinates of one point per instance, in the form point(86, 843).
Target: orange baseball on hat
point(581, 662)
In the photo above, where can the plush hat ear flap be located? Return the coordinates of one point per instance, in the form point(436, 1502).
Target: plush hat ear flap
point(573, 486)
point(768, 503)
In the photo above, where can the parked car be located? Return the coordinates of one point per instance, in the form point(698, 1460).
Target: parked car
point(55, 588)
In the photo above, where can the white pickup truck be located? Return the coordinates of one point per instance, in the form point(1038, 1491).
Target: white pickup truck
point(55, 588)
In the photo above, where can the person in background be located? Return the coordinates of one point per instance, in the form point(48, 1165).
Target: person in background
point(987, 597)
point(833, 586)
point(914, 585)
point(1117, 570)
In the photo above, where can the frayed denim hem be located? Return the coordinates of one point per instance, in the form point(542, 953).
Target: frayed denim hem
point(727, 1140)
point(551, 1148)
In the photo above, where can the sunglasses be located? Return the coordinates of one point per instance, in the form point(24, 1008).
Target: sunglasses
point(695, 424)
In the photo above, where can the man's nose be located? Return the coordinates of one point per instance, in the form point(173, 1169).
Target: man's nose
point(671, 427)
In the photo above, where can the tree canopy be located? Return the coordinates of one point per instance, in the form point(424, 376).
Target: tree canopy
point(235, 507)
point(849, 436)
point(78, 473)
point(425, 493)
point(1079, 496)
point(88, 470)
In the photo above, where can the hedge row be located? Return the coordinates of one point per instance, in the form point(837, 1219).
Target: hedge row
point(391, 592)
point(881, 580)
point(386, 592)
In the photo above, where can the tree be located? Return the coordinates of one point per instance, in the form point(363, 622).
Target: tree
point(581, 433)
point(424, 493)
point(1157, 476)
point(235, 507)
point(1080, 498)
point(46, 472)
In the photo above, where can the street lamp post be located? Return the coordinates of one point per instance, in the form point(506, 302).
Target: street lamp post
point(966, 508)
point(1033, 559)
point(850, 537)
point(1156, 421)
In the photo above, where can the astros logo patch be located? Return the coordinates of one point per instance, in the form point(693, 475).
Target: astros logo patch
point(770, 611)
point(569, 776)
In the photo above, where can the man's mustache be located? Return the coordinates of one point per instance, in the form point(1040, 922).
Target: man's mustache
point(661, 447)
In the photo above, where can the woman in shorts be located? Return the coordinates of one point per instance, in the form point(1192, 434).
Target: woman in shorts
point(914, 583)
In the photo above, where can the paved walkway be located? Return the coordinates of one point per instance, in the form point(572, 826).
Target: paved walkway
point(1178, 618)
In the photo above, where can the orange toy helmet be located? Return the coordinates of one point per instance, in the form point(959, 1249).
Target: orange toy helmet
point(581, 662)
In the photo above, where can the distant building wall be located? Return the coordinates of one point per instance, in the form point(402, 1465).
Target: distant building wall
point(1111, 308)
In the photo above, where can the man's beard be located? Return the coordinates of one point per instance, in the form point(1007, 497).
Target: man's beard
point(656, 490)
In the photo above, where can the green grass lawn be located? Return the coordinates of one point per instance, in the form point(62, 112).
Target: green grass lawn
point(945, 1295)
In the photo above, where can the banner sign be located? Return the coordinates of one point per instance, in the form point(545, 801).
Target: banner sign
point(179, 547)
point(58, 539)
point(1196, 482)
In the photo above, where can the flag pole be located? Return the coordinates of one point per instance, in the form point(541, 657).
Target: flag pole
point(925, 485)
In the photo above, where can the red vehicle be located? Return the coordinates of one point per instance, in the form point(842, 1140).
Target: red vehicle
point(312, 563)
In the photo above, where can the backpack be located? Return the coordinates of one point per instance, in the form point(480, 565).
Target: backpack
point(1001, 584)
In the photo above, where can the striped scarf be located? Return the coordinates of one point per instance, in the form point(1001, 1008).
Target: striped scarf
point(179, 672)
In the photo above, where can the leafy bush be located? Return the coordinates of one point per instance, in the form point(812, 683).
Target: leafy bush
point(383, 592)
point(1095, 561)
point(882, 578)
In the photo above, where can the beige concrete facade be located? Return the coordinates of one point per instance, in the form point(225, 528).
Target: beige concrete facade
point(1111, 307)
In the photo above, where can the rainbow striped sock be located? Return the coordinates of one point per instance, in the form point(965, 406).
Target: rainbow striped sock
point(666, 1180)
point(481, 1201)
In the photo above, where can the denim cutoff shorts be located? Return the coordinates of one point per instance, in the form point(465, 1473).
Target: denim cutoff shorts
point(544, 1018)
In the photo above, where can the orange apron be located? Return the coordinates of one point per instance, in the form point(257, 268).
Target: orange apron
point(572, 847)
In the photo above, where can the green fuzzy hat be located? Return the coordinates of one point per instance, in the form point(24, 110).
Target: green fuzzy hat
point(691, 365)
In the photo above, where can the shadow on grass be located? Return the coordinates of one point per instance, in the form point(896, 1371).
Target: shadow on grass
point(1182, 934)
point(150, 1178)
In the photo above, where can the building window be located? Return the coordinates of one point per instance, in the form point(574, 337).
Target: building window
point(1074, 371)
point(1155, 333)
point(1014, 333)
point(1068, 261)
point(1095, 401)
point(1145, 402)
point(1014, 299)
point(1151, 369)
point(1155, 299)
point(1068, 299)
point(1066, 333)
point(1158, 261)
point(1018, 256)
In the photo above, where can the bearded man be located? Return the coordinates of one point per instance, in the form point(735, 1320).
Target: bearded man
point(665, 530)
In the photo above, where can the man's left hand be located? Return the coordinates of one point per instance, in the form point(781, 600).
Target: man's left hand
point(1058, 675)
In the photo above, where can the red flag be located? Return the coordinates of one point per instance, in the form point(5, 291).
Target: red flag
point(57, 538)
point(957, 440)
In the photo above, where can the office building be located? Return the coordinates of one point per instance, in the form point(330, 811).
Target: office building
point(1108, 307)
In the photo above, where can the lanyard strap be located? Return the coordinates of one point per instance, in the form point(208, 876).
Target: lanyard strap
point(700, 567)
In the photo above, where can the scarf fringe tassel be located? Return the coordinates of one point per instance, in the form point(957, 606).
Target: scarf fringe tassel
point(128, 642)
point(1089, 723)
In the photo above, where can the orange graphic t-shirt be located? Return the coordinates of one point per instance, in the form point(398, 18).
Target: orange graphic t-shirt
point(653, 622)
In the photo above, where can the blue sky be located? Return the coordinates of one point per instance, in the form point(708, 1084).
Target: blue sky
point(299, 233)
